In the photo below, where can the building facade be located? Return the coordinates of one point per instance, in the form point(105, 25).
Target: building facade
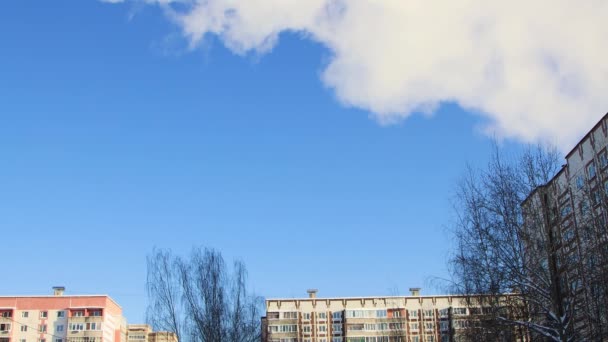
point(567, 218)
point(59, 318)
point(144, 333)
point(412, 318)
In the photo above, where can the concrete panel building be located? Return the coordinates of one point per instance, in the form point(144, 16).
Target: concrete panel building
point(59, 318)
point(412, 318)
point(144, 333)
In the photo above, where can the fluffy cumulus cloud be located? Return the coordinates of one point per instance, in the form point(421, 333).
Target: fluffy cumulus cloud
point(534, 69)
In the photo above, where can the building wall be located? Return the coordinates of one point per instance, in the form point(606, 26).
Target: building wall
point(367, 319)
point(573, 218)
point(49, 319)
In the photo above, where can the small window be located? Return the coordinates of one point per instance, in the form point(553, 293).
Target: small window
point(5, 327)
point(24, 328)
point(42, 328)
point(322, 315)
point(591, 170)
point(44, 314)
point(58, 340)
point(22, 340)
point(25, 314)
point(322, 328)
point(60, 327)
point(580, 182)
point(603, 159)
point(60, 313)
point(306, 316)
point(380, 313)
point(6, 314)
point(396, 313)
point(95, 313)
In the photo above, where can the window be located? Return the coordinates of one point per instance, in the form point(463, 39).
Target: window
point(568, 235)
point(25, 314)
point(273, 315)
point(76, 326)
point(60, 327)
point(415, 339)
point(306, 316)
point(355, 327)
point(429, 326)
point(380, 313)
point(93, 326)
point(323, 328)
point(428, 313)
point(95, 313)
point(414, 326)
point(460, 311)
point(413, 313)
point(6, 314)
point(566, 210)
point(591, 170)
point(44, 314)
point(322, 315)
point(306, 328)
point(60, 313)
point(603, 160)
point(443, 312)
point(580, 182)
point(78, 313)
point(430, 338)
point(596, 197)
point(336, 339)
point(336, 327)
point(5, 327)
point(396, 313)
point(273, 328)
point(288, 328)
point(370, 326)
point(58, 340)
point(444, 325)
point(42, 327)
point(337, 316)
point(395, 326)
point(24, 328)
point(290, 315)
point(22, 340)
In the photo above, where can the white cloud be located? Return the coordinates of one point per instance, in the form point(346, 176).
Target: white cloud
point(536, 69)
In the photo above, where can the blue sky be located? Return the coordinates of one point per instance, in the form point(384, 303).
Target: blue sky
point(115, 138)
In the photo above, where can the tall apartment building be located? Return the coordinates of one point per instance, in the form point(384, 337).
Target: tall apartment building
point(569, 214)
point(59, 318)
point(412, 318)
point(144, 333)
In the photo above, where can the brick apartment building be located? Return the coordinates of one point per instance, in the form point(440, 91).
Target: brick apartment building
point(568, 215)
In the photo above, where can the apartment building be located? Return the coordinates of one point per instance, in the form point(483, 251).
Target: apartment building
point(412, 318)
point(568, 215)
point(144, 333)
point(59, 318)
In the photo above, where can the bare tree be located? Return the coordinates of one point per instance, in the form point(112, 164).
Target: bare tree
point(164, 310)
point(503, 247)
point(214, 305)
